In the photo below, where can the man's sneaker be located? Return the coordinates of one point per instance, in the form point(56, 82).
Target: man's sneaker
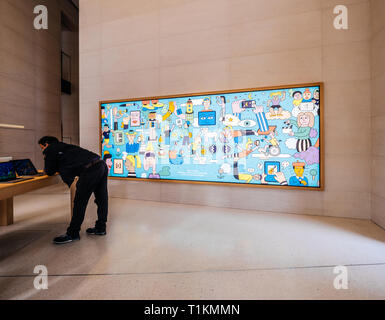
point(96, 231)
point(65, 238)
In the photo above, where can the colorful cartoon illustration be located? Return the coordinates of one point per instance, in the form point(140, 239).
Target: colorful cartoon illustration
point(106, 136)
point(207, 118)
point(243, 153)
point(224, 170)
point(152, 124)
point(298, 179)
point(253, 137)
point(246, 177)
point(130, 163)
point(135, 118)
point(307, 103)
point(132, 146)
point(167, 133)
point(274, 103)
point(177, 110)
point(149, 161)
point(186, 134)
point(304, 124)
point(221, 101)
point(189, 112)
point(297, 98)
point(196, 145)
point(107, 157)
point(176, 158)
point(237, 109)
point(272, 147)
point(316, 100)
point(170, 111)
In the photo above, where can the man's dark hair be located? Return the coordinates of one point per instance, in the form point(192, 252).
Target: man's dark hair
point(47, 139)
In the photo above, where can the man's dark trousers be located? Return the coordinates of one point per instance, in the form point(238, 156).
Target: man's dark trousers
point(91, 180)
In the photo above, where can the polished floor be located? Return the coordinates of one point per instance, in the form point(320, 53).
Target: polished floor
point(170, 251)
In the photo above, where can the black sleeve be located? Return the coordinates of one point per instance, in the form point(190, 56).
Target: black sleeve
point(50, 162)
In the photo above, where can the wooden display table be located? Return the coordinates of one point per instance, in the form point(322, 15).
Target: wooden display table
point(9, 190)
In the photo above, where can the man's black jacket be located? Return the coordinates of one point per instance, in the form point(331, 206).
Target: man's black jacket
point(67, 159)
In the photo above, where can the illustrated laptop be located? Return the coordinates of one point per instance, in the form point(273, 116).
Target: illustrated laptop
point(8, 173)
point(25, 167)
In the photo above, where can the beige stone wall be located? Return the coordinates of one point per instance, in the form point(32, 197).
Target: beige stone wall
point(378, 110)
point(29, 78)
point(155, 47)
point(30, 87)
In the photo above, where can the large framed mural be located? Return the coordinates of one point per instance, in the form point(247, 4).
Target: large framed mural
point(266, 137)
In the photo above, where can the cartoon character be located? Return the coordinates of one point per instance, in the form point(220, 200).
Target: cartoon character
point(298, 179)
point(316, 100)
point(189, 112)
point(272, 146)
point(239, 134)
point(175, 158)
point(276, 99)
point(223, 170)
point(152, 124)
point(305, 105)
point(250, 147)
point(118, 137)
point(125, 122)
point(207, 104)
point(226, 134)
point(149, 161)
point(170, 111)
point(196, 145)
point(221, 101)
point(106, 136)
point(297, 98)
point(307, 96)
point(132, 147)
point(304, 123)
point(167, 133)
point(279, 177)
point(116, 115)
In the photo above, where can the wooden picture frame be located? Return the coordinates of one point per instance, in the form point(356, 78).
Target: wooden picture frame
point(247, 105)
